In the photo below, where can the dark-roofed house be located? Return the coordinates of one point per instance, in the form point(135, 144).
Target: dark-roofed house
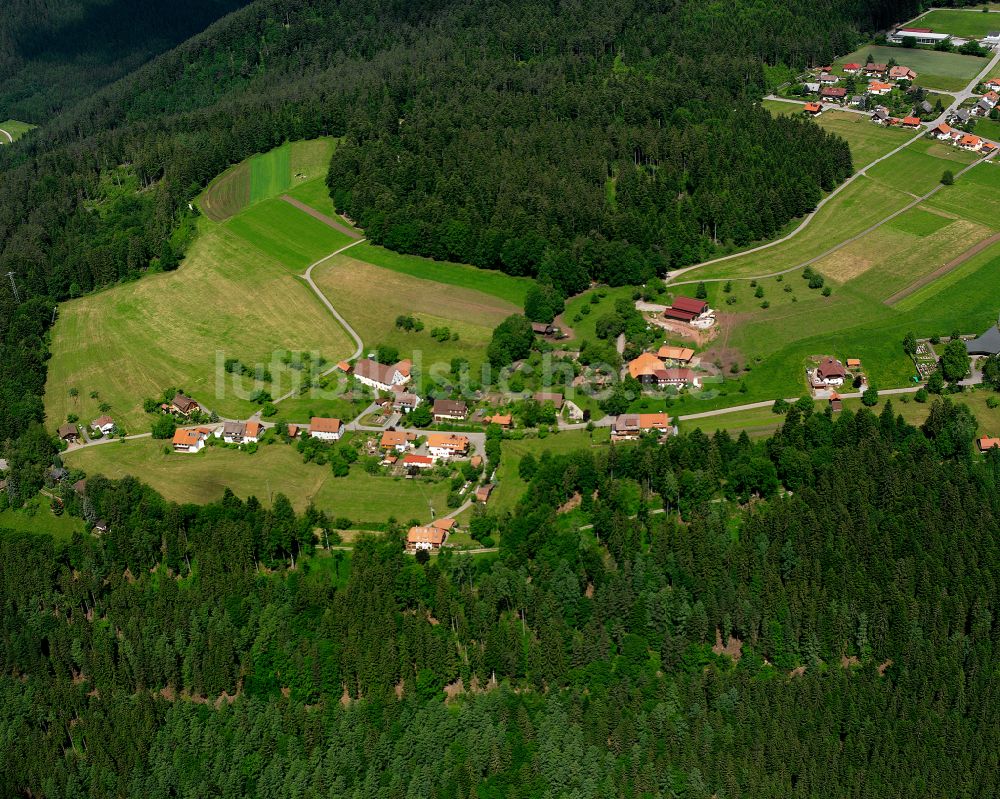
point(550, 396)
point(837, 93)
point(542, 329)
point(830, 372)
point(986, 344)
point(686, 309)
point(483, 492)
point(405, 401)
point(183, 405)
point(69, 433)
point(446, 410)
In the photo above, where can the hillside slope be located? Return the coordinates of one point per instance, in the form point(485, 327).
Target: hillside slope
point(55, 52)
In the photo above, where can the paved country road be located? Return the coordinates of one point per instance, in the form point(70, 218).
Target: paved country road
point(307, 277)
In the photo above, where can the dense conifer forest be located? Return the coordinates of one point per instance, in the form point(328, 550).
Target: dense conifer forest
point(180, 656)
point(56, 52)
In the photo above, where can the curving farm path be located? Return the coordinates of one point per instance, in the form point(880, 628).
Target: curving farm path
point(10, 139)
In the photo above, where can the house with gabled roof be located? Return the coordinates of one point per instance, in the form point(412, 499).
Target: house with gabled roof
point(632, 425)
point(446, 410)
point(414, 462)
point(813, 109)
point(687, 309)
point(425, 537)
point(398, 440)
point(830, 372)
point(382, 376)
point(835, 94)
point(911, 122)
point(442, 446)
point(188, 440)
point(103, 424)
point(556, 399)
point(852, 69)
point(942, 132)
point(183, 405)
point(325, 429)
point(69, 433)
point(879, 88)
point(901, 73)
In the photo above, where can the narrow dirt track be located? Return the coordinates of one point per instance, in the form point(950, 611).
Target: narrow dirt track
point(326, 220)
point(943, 270)
point(10, 139)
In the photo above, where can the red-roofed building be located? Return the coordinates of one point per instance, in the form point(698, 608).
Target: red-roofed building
point(418, 462)
point(687, 309)
point(813, 109)
point(836, 93)
point(325, 429)
point(852, 69)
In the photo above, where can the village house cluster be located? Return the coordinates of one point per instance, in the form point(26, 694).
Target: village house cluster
point(881, 80)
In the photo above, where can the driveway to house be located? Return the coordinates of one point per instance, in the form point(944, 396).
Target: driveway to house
point(307, 277)
point(830, 108)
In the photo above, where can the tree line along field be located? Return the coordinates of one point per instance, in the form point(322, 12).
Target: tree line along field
point(935, 70)
point(266, 175)
point(272, 469)
point(372, 297)
point(14, 130)
point(867, 141)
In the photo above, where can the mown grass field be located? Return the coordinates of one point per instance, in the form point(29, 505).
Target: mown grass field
point(498, 284)
point(915, 170)
point(947, 71)
point(371, 297)
point(15, 129)
point(273, 469)
point(969, 23)
point(974, 196)
point(988, 129)
point(857, 207)
point(286, 234)
point(132, 341)
point(266, 175)
point(902, 251)
point(867, 141)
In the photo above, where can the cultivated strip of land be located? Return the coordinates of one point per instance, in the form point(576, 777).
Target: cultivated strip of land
point(326, 220)
point(953, 264)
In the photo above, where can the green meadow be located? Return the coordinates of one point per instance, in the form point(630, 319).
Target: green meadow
point(273, 469)
point(286, 234)
point(947, 71)
point(969, 23)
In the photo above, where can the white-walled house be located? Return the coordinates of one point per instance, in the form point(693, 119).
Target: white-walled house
point(381, 376)
point(189, 441)
point(325, 429)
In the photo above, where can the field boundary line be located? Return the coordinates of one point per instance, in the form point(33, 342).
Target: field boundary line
point(319, 215)
point(941, 271)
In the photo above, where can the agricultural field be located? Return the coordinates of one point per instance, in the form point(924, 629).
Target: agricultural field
point(861, 204)
point(12, 130)
point(286, 234)
point(275, 468)
point(266, 175)
point(510, 289)
point(867, 141)
point(969, 23)
point(902, 251)
point(132, 341)
point(915, 170)
point(850, 323)
point(975, 195)
point(372, 297)
point(988, 129)
point(946, 71)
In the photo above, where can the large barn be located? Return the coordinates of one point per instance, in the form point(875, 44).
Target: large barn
point(986, 344)
point(685, 309)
